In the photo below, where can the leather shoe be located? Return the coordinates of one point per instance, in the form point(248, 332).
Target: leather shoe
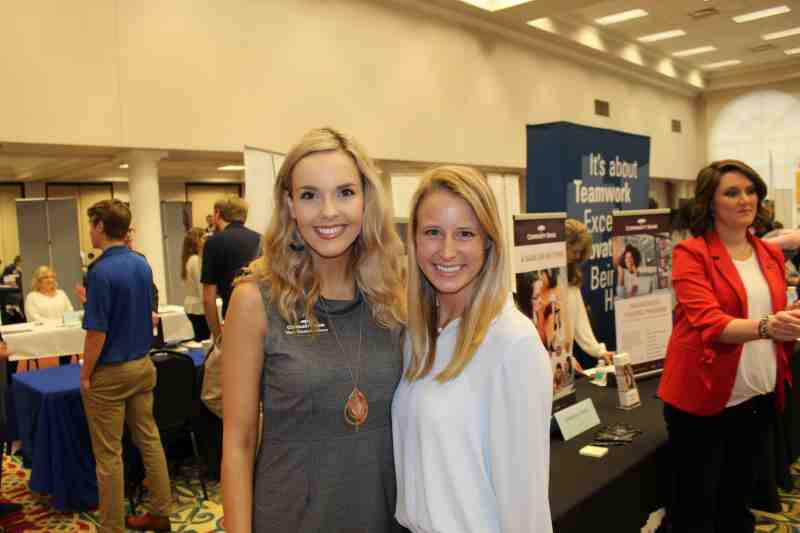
point(148, 522)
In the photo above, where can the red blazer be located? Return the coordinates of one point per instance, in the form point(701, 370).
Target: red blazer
point(699, 371)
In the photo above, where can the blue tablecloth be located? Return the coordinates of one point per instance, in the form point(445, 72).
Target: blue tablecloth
point(51, 423)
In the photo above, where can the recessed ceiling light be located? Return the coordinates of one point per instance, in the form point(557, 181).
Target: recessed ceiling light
point(621, 17)
point(661, 36)
point(781, 34)
point(720, 64)
point(544, 24)
point(124, 165)
point(792, 51)
point(694, 51)
point(231, 167)
point(495, 5)
point(764, 13)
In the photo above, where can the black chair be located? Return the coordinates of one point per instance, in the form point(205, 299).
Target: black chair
point(174, 401)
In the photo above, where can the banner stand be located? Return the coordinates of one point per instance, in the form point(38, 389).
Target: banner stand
point(540, 269)
point(642, 258)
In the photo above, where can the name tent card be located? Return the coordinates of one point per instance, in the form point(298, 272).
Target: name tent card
point(575, 419)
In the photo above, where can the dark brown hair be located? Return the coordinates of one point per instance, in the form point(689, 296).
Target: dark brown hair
point(191, 246)
point(115, 216)
point(708, 179)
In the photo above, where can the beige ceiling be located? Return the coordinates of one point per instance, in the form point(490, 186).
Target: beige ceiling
point(35, 162)
point(732, 40)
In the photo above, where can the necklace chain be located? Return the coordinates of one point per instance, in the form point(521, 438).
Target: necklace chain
point(354, 376)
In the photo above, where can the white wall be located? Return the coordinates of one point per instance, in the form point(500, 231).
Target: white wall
point(409, 85)
point(760, 127)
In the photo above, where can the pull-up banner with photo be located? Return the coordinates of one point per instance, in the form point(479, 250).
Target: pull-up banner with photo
point(642, 254)
point(588, 172)
point(540, 268)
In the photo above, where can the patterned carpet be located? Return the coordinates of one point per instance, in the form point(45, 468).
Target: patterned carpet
point(190, 514)
point(789, 520)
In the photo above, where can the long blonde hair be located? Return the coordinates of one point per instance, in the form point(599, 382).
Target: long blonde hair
point(492, 283)
point(288, 269)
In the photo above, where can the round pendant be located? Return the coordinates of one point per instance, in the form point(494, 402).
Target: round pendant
point(356, 408)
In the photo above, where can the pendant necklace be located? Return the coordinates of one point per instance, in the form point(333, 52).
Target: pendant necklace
point(356, 407)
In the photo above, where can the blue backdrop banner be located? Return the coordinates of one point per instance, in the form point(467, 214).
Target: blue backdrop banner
point(588, 172)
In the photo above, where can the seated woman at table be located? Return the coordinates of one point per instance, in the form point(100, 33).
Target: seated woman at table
point(46, 302)
point(471, 417)
point(190, 274)
point(727, 357)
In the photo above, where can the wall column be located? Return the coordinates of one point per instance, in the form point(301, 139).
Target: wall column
point(146, 211)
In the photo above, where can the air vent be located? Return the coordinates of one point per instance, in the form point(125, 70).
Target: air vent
point(676, 126)
point(602, 108)
point(704, 13)
point(762, 48)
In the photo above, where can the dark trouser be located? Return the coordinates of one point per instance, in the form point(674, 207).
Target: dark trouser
point(713, 462)
point(208, 428)
point(64, 360)
point(201, 331)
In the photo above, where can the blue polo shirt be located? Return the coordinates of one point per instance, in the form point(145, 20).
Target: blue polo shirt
point(119, 303)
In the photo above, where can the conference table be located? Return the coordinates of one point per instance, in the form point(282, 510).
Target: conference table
point(620, 490)
point(34, 340)
point(49, 419)
point(615, 493)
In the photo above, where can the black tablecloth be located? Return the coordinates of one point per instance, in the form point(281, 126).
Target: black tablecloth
point(619, 491)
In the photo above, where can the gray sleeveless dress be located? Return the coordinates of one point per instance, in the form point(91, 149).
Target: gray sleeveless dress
point(314, 472)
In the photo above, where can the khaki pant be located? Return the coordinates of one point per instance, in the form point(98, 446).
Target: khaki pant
point(123, 393)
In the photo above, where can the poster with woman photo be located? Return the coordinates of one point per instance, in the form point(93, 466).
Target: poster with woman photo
point(642, 257)
point(541, 285)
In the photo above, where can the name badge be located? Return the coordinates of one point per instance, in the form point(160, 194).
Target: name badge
point(304, 328)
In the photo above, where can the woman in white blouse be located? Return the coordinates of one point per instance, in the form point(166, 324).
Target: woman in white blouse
point(578, 328)
point(190, 274)
point(471, 416)
point(46, 302)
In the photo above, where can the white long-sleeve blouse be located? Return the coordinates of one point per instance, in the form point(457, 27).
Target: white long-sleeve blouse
point(578, 326)
point(473, 454)
point(42, 308)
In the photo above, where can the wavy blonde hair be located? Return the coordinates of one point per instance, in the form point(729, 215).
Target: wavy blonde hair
point(492, 287)
point(39, 273)
point(288, 269)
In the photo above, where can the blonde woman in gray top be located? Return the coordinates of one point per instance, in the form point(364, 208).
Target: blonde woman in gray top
point(313, 333)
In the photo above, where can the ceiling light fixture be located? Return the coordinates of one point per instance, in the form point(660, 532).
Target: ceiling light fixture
point(762, 14)
point(720, 64)
point(694, 51)
point(231, 168)
point(494, 5)
point(544, 24)
point(124, 165)
point(792, 51)
point(621, 17)
point(661, 36)
point(781, 34)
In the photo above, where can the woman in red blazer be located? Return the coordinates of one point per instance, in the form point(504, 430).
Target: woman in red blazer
point(727, 357)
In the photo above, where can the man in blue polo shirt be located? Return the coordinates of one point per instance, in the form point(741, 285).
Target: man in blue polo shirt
point(117, 377)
